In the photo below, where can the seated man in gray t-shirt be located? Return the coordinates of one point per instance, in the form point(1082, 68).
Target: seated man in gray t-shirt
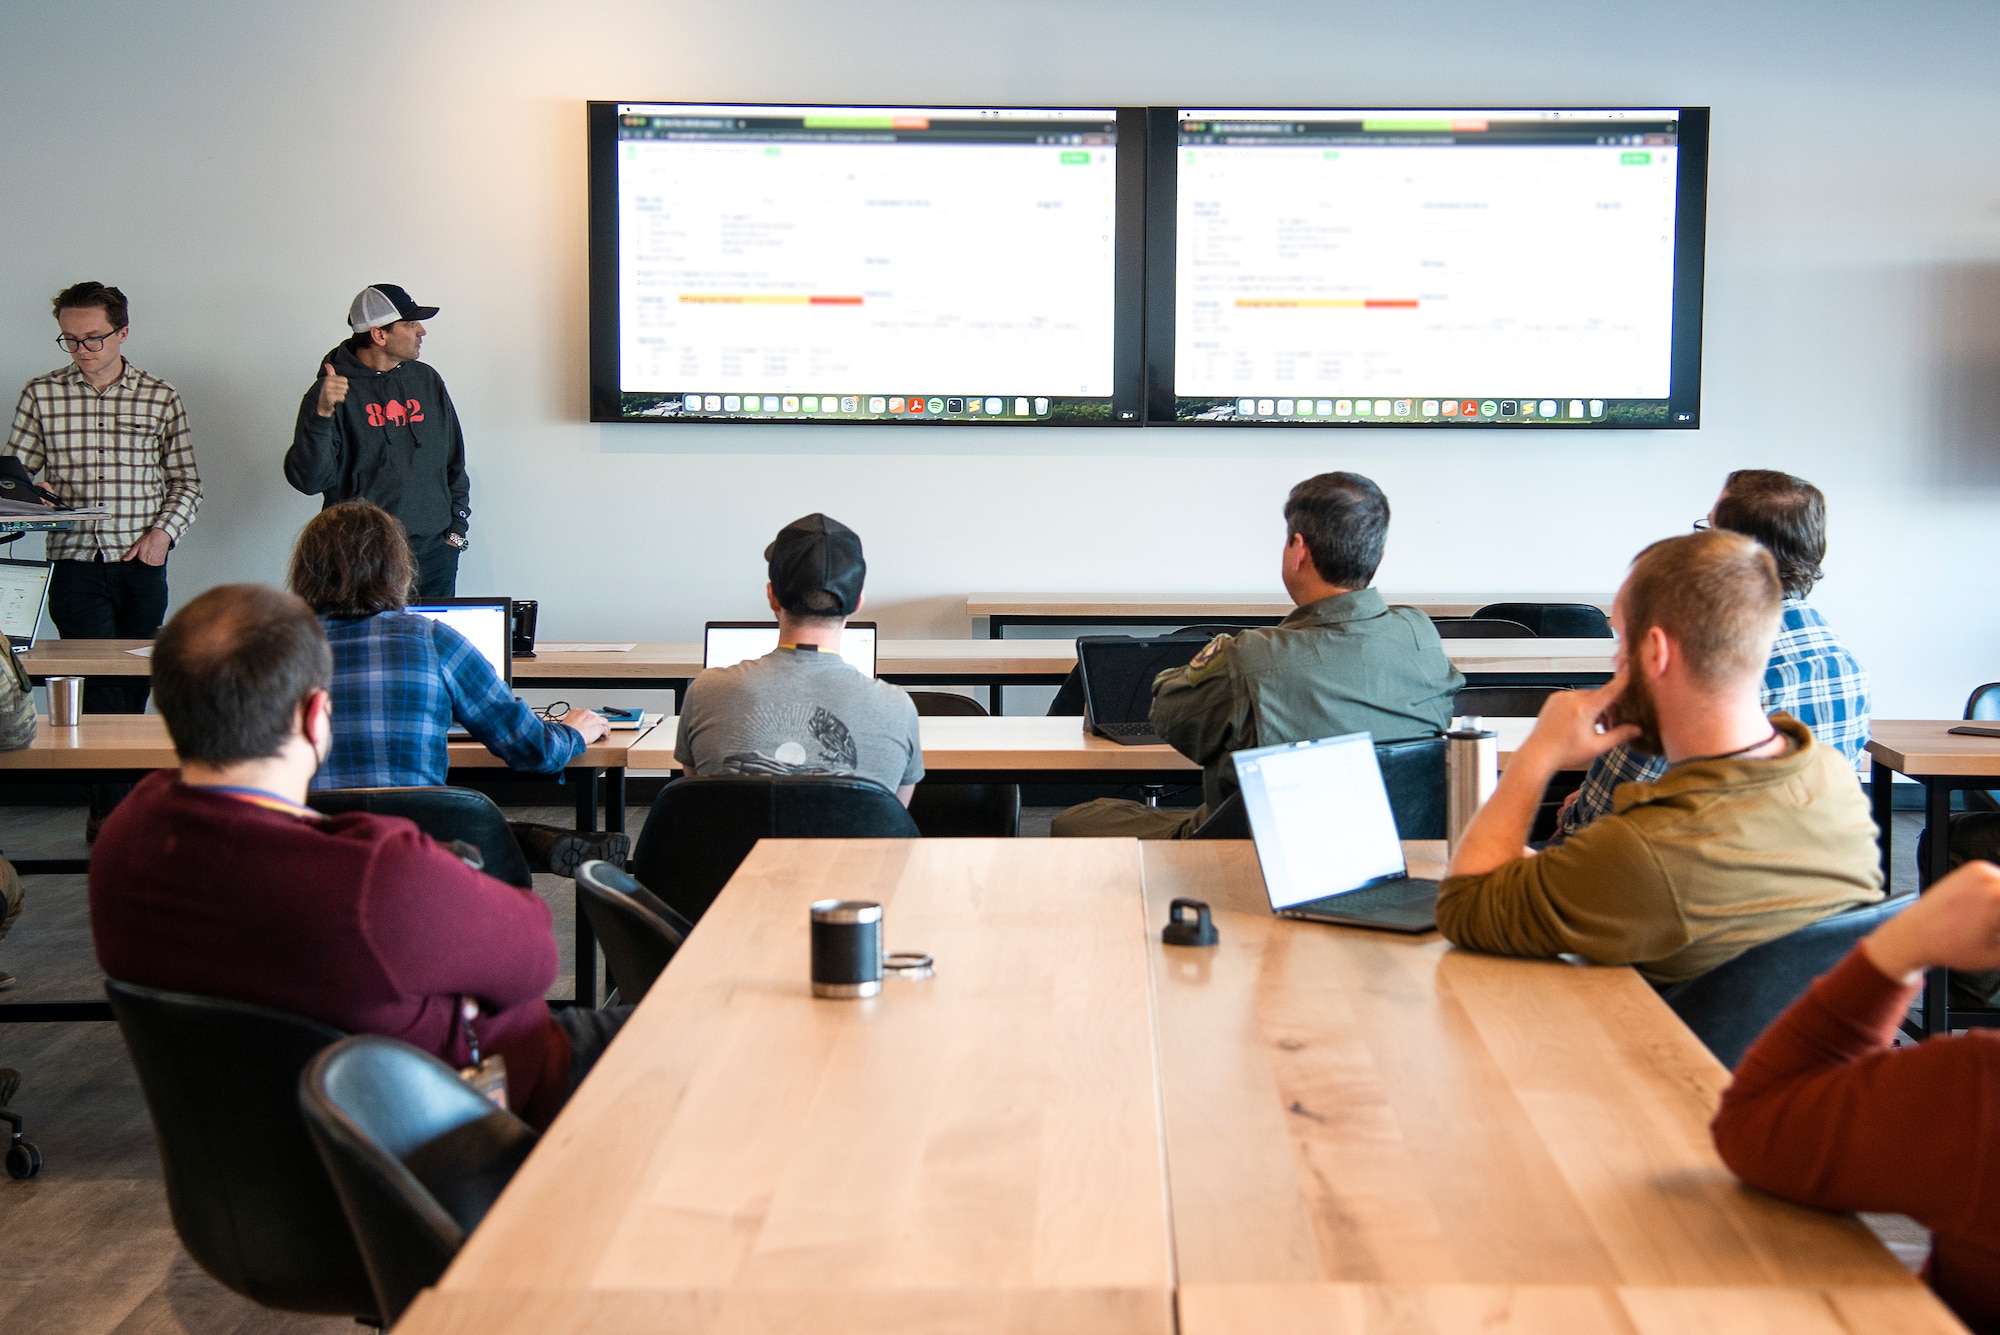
point(803, 709)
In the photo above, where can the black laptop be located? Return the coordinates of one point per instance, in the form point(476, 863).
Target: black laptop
point(1118, 673)
point(1326, 836)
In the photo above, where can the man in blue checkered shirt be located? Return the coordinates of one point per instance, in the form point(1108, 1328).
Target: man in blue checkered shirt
point(1811, 676)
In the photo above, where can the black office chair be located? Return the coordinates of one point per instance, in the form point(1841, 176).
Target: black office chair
point(1982, 705)
point(962, 810)
point(248, 1194)
point(24, 1159)
point(638, 933)
point(1501, 701)
point(1554, 621)
point(444, 814)
point(700, 830)
point(1730, 1005)
point(416, 1155)
point(1412, 771)
point(1480, 628)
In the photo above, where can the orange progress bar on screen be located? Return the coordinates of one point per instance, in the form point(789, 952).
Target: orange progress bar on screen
point(749, 299)
point(1327, 303)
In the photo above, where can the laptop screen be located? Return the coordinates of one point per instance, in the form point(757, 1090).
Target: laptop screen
point(1118, 672)
point(22, 587)
point(727, 643)
point(482, 621)
point(1321, 818)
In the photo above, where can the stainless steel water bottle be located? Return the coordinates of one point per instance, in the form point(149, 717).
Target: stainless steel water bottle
point(1471, 771)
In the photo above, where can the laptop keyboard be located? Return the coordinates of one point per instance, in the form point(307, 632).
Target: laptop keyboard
point(1408, 892)
point(1126, 729)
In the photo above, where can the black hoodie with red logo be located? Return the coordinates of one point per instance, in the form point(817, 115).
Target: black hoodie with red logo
point(395, 440)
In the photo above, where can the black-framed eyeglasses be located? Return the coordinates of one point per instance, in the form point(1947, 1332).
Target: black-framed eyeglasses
point(70, 343)
point(1703, 525)
point(554, 713)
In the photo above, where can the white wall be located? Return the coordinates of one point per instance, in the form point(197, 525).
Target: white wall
point(242, 168)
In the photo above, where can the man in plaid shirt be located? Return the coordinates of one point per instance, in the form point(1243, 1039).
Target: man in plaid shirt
point(1810, 676)
point(102, 432)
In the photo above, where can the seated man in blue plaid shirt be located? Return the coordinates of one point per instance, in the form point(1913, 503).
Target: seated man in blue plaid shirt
point(1811, 676)
point(400, 680)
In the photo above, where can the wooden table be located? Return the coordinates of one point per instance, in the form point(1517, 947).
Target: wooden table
point(1025, 749)
point(1374, 1132)
point(1925, 750)
point(979, 1151)
point(1344, 1130)
point(1179, 609)
point(123, 748)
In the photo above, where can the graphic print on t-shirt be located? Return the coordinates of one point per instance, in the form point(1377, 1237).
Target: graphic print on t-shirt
point(794, 739)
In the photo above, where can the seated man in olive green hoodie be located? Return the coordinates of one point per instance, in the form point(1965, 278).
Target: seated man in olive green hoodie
point(1754, 831)
point(1343, 661)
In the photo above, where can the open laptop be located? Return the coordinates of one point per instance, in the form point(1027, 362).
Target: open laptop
point(24, 592)
point(1326, 836)
point(727, 643)
point(1118, 673)
point(483, 621)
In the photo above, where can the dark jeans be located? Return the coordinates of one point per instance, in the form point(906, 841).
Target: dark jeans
point(437, 571)
point(590, 1033)
point(109, 600)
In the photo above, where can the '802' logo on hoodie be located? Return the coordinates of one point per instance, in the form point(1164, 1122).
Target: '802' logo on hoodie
point(396, 412)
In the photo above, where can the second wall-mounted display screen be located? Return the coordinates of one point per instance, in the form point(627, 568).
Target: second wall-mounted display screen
point(1400, 267)
point(888, 264)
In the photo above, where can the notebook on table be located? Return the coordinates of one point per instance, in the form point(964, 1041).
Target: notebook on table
point(1118, 673)
point(727, 643)
point(1326, 836)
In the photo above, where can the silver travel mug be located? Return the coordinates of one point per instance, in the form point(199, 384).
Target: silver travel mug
point(846, 948)
point(65, 701)
point(1471, 772)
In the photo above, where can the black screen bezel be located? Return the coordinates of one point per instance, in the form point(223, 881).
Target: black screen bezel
point(1690, 245)
point(1128, 279)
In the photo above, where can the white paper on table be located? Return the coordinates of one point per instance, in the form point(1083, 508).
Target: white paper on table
point(146, 652)
point(584, 647)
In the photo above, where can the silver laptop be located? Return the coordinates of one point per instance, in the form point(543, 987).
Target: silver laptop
point(727, 643)
point(1326, 836)
point(24, 592)
point(484, 622)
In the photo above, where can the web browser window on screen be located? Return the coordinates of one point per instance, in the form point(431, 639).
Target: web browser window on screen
point(1322, 818)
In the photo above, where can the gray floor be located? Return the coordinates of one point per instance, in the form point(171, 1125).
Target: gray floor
point(89, 1247)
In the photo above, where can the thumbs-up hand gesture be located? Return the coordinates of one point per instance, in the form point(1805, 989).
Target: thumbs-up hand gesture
point(332, 390)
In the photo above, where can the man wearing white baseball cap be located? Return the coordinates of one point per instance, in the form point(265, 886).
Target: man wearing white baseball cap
point(378, 426)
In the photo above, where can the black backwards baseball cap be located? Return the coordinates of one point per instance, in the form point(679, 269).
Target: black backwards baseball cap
point(384, 303)
point(817, 555)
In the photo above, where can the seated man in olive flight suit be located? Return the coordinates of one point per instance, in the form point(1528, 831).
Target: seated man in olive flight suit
point(1343, 661)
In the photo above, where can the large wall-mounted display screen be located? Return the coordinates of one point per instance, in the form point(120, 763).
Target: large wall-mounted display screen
point(964, 265)
point(1426, 268)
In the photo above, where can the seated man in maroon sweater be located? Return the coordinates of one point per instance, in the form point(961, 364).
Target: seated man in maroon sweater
point(219, 879)
point(1826, 1111)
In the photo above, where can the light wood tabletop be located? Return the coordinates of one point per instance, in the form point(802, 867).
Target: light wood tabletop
point(140, 741)
point(941, 660)
point(975, 1151)
point(1028, 743)
point(1925, 747)
point(1368, 1131)
point(1083, 606)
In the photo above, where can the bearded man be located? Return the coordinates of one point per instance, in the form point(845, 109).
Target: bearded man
point(1754, 830)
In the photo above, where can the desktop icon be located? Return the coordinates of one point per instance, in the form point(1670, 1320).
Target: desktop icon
point(1527, 407)
point(1471, 408)
point(1041, 407)
point(1265, 407)
point(1382, 408)
point(1597, 407)
point(1449, 407)
point(1576, 407)
point(829, 403)
point(1324, 407)
point(1020, 407)
point(850, 403)
point(934, 405)
point(1402, 407)
point(1343, 407)
point(712, 403)
point(1508, 407)
point(1246, 407)
point(1549, 408)
point(730, 403)
point(691, 403)
point(954, 405)
point(770, 403)
point(1488, 408)
point(791, 403)
point(878, 405)
point(995, 406)
point(1430, 407)
point(1305, 408)
point(1284, 407)
point(895, 405)
point(810, 403)
point(1364, 407)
